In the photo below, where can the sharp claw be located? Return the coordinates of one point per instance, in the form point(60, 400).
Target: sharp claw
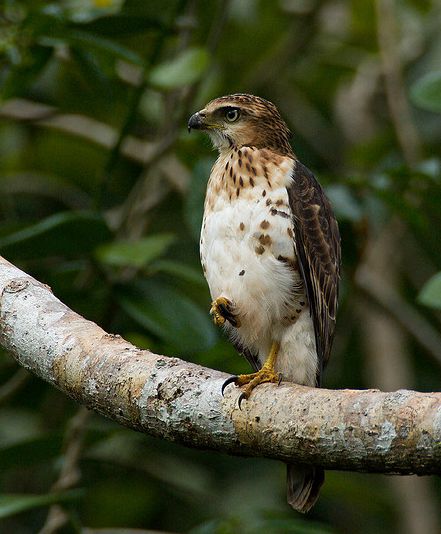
point(228, 381)
point(280, 379)
point(241, 398)
point(222, 311)
point(225, 312)
point(233, 321)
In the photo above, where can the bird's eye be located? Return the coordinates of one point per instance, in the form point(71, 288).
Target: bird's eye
point(232, 115)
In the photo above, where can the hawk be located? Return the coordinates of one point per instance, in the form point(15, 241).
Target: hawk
point(270, 251)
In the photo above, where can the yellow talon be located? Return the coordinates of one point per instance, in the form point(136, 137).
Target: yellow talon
point(218, 319)
point(222, 310)
point(266, 374)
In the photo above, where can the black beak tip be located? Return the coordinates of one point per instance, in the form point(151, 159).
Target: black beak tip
point(194, 122)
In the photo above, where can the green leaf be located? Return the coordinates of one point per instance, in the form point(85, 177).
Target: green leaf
point(344, 203)
point(426, 92)
point(179, 270)
point(430, 295)
point(118, 25)
point(85, 11)
point(68, 234)
point(168, 314)
point(92, 72)
point(259, 526)
point(30, 451)
point(134, 253)
point(185, 69)
point(21, 77)
point(14, 504)
point(90, 41)
point(194, 200)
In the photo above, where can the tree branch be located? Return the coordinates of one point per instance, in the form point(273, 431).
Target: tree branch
point(368, 430)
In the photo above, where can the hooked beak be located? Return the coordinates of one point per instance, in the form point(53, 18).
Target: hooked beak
point(196, 121)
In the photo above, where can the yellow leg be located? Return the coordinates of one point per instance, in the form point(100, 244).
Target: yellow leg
point(266, 374)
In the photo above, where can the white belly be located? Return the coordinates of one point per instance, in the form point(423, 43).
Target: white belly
point(242, 242)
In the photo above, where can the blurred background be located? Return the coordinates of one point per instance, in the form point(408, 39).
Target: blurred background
point(101, 195)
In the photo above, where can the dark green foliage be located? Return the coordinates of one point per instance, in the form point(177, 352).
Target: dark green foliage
point(101, 197)
point(426, 92)
point(430, 295)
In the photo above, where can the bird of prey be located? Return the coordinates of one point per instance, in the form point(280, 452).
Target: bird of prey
point(270, 251)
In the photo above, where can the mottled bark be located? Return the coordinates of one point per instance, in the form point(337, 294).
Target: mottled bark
point(355, 430)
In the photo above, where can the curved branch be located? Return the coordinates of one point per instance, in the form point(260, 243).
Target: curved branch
point(356, 430)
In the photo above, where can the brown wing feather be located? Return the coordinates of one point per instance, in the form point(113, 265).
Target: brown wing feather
point(317, 241)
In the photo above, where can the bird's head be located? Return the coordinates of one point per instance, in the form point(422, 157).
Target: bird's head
point(243, 120)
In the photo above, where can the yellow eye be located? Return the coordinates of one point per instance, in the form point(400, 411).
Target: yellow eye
point(232, 115)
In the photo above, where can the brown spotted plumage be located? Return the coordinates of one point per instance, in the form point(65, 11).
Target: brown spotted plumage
point(271, 255)
point(319, 254)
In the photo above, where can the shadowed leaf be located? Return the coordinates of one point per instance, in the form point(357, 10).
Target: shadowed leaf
point(184, 272)
point(14, 504)
point(122, 25)
point(134, 253)
point(426, 92)
point(168, 314)
point(69, 234)
point(185, 69)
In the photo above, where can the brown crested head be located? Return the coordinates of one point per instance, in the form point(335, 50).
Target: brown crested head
point(243, 120)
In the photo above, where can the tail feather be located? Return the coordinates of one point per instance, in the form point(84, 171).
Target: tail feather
point(303, 486)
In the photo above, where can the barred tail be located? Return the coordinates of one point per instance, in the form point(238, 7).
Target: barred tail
point(303, 486)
